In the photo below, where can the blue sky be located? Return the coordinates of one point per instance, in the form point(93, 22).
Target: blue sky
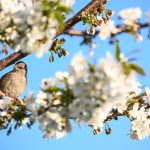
point(81, 137)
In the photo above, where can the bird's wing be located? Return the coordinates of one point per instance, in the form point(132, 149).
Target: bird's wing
point(5, 77)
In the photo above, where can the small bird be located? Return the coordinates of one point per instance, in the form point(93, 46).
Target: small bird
point(13, 83)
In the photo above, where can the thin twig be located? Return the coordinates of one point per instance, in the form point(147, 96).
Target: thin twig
point(122, 29)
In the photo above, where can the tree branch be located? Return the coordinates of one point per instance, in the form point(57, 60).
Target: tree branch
point(113, 115)
point(68, 24)
point(122, 29)
point(18, 101)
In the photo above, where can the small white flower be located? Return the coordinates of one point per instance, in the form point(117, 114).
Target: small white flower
point(106, 30)
point(79, 62)
point(30, 103)
point(100, 114)
point(25, 120)
point(109, 66)
point(43, 95)
point(67, 3)
point(120, 105)
point(47, 83)
point(3, 113)
point(147, 97)
point(61, 75)
point(137, 113)
point(77, 110)
point(140, 129)
point(4, 102)
point(130, 15)
point(55, 134)
point(53, 125)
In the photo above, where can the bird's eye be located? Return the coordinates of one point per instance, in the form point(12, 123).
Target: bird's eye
point(20, 67)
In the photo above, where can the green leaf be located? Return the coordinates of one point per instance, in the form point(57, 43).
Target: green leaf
point(53, 89)
point(126, 68)
point(67, 97)
point(137, 68)
point(117, 51)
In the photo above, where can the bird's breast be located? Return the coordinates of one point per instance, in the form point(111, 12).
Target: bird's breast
point(15, 84)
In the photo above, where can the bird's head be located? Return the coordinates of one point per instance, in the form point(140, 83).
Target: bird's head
point(20, 66)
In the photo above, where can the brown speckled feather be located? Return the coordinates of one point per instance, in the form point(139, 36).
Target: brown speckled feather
point(13, 83)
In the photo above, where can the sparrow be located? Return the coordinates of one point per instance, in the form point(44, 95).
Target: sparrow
point(13, 83)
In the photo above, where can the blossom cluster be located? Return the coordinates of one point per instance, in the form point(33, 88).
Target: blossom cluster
point(90, 94)
point(140, 121)
point(12, 112)
point(4, 103)
point(130, 15)
point(96, 16)
point(131, 18)
point(30, 25)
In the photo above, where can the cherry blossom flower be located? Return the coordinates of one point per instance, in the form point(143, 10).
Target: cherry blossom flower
point(47, 83)
point(120, 105)
point(4, 103)
point(91, 94)
point(146, 97)
point(138, 113)
point(27, 27)
point(79, 62)
point(61, 76)
point(130, 15)
point(140, 129)
point(106, 30)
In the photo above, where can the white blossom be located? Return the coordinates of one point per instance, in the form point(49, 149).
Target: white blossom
point(61, 76)
point(47, 83)
point(120, 105)
point(94, 92)
point(54, 134)
point(54, 125)
point(107, 83)
point(147, 97)
point(107, 29)
point(82, 108)
point(67, 3)
point(4, 103)
point(140, 129)
point(100, 114)
point(3, 113)
point(138, 113)
point(79, 63)
point(42, 97)
point(117, 82)
point(130, 15)
point(27, 27)
point(30, 103)
point(25, 120)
